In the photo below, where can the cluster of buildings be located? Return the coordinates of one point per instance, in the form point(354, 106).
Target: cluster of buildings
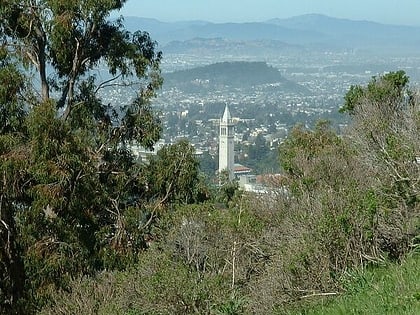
point(226, 148)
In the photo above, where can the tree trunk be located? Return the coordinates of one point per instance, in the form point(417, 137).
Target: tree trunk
point(12, 273)
point(41, 44)
point(45, 90)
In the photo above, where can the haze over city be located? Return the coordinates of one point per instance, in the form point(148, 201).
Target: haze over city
point(382, 11)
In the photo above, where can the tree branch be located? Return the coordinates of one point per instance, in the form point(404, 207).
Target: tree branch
point(105, 83)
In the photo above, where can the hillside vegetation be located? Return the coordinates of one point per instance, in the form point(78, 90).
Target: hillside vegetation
point(390, 289)
point(86, 228)
point(344, 207)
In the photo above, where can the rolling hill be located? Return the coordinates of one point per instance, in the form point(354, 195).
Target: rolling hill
point(238, 74)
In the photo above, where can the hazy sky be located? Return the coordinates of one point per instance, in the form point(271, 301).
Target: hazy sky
point(385, 11)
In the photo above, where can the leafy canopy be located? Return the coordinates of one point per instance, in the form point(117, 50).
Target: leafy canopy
point(74, 200)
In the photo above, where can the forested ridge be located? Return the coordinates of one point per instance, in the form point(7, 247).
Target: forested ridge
point(233, 74)
point(87, 229)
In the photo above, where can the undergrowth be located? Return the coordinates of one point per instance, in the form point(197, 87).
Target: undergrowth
point(391, 289)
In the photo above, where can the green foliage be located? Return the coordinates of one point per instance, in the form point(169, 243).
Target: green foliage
point(352, 199)
point(231, 307)
point(227, 189)
point(74, 38)
point(141, 124)
point(320, 145)
point(173, 175)
point(385, 135)
point(351, 98)
point(207, 164)
point(186, 270)
point(332, 212)
point(161, 286)
point(381, 143)
point(73, 200)
point(11, 111)
point(391, 289)
point(259, 156)
point(388, 91)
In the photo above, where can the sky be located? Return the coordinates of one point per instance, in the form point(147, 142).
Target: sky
point(404, 12)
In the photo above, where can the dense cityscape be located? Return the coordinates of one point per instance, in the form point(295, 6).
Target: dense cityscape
point(266, 112)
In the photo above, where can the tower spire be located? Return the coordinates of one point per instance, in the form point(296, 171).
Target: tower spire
point(226, 115)
point(226, 143)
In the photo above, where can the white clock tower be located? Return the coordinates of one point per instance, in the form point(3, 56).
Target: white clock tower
point(226, 144)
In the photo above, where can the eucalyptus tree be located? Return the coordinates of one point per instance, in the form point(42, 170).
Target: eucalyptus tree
point(69, 184)
point(12, 118)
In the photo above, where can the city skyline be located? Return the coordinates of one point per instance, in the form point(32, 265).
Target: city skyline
point(385, 11)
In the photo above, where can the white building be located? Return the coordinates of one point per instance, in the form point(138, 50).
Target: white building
point(141, 153)
point(226, 144)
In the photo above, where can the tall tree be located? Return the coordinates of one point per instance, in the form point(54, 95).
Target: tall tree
point(12, 116)
point(67, 177)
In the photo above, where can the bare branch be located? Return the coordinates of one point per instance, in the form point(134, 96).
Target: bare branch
point(106, 83)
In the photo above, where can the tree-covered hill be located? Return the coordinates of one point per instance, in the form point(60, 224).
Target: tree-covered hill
point(239, 74)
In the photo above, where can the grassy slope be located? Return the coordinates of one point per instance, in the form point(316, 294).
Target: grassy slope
point(394, 289)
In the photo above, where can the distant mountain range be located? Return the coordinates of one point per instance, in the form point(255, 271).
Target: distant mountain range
point(214, 46)
point(239, 74)
point(310, 31)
